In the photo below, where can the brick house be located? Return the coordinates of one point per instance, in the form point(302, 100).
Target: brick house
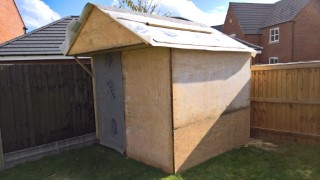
point(11, 23)
point(288, 31)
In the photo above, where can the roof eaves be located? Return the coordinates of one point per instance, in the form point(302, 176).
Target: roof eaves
point(34, 31)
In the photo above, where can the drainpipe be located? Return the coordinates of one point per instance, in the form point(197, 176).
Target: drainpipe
point(261, 46)
point(83, 66)
point(292, 45)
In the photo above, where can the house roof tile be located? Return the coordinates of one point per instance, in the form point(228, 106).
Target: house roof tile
point(284, 11)
point(251, 16)
point(42, 41)
point(254, 16)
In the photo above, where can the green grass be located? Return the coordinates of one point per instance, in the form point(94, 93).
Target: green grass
point(286, 161)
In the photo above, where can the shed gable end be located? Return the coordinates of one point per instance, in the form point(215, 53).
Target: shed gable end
point(90, 37)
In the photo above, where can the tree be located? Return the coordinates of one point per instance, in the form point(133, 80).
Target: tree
point(145, 6)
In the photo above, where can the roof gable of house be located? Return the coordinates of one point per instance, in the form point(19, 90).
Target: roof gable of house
point(251, 16)
point(284, 11)
point(44, 41)
point(254, 16)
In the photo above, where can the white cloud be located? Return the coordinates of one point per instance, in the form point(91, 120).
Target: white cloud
point(187, 9)
point(36, 13)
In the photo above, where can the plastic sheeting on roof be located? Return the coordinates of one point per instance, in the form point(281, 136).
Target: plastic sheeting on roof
point(161, 31)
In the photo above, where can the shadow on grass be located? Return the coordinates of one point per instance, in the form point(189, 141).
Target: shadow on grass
point(289, 161)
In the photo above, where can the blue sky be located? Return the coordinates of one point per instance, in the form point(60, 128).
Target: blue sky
point(37, 13)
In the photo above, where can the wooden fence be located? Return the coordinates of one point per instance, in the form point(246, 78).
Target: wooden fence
point(285, 102)
point(40, 104)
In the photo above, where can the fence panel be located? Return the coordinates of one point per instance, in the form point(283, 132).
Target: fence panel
point(285, 102)
point(40, 104)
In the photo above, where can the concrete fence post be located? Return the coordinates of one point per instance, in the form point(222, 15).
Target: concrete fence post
point(1, 154)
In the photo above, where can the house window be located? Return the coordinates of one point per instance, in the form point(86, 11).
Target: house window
point(273, 60)
point(274, 35)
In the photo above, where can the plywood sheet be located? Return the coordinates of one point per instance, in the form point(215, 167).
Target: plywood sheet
point(203, 140)
point(102, 32)
point(109, 100)
point(209, 91)
point(147, 90)
point(208, 84)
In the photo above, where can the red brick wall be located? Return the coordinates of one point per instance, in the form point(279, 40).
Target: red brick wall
point(281, 49)
point(307, 33)
point(11, 24)
point(232, 26)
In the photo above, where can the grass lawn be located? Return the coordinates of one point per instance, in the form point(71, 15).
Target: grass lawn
point(257, 161)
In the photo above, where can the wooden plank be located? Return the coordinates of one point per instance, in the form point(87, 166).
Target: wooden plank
point(94, 90)
point(300, 65)
point(256, 84)
point(148, 116)
point(305, 84)
point(29, 107)
point(288, 84)
point(35, 89)
point(1, 154)
point(303, 135)
point(260, 84)
point(61, 104)
point(85, 104)
point(90, 103)
point(295, 85)
point(17, 103)
point(269, 90)
point(279, 84)
point(300, 88)
point(316, 84)
point(45, 109)
point(264, 84)
point(274, 84)
point(286, 101)
point(252, 88)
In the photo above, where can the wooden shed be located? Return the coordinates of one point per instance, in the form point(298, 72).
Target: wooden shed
point(168, 92)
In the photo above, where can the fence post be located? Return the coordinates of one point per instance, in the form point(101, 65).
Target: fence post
point(1, 154)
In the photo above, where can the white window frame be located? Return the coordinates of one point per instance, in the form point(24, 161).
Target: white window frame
point(274, 35)
point(273, 60)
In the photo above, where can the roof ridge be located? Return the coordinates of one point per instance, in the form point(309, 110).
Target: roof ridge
point(35, 30)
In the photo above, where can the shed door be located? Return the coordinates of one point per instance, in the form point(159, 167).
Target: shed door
point(109, 98)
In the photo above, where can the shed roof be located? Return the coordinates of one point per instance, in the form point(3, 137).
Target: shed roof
point(44, 41)
point(254, 16)
point(143, 28)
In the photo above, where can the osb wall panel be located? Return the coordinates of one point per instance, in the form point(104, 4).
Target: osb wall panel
point(100, 33)
point(202, 140)
point(207, 85)
point(148, 116)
